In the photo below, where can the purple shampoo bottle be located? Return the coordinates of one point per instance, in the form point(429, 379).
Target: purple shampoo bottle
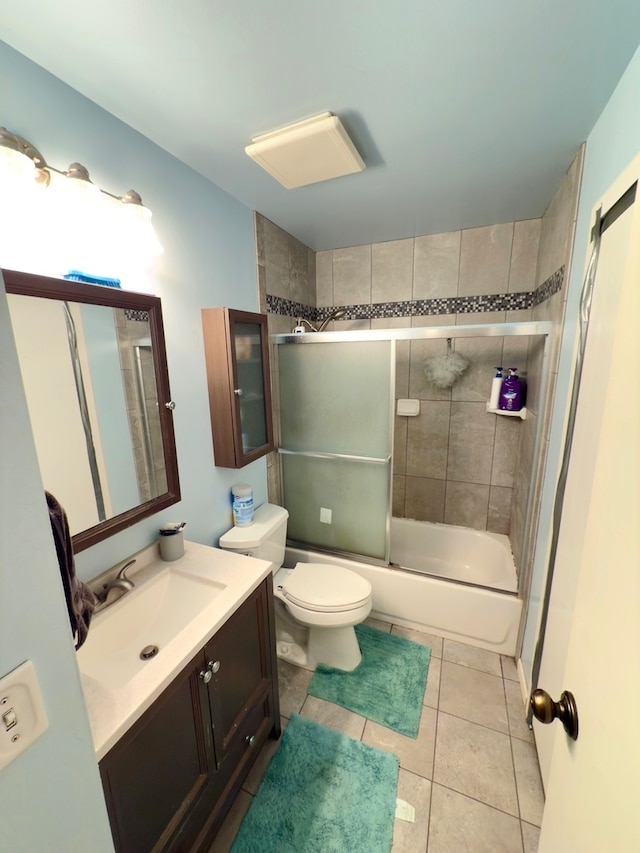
point(511, 393)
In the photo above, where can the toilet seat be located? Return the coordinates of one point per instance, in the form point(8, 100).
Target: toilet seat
point(324, 588)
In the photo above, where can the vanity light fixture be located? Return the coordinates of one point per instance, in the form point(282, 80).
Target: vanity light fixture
point(24, 160)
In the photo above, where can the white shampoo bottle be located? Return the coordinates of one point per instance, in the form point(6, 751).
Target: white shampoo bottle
point(496, 386)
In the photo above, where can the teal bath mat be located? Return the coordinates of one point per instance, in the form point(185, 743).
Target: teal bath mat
point(388, 684)
point(322, 793)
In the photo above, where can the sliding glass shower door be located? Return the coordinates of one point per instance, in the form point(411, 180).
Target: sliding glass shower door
point(336, 404)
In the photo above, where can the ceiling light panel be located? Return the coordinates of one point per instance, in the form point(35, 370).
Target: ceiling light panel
point(315, 149)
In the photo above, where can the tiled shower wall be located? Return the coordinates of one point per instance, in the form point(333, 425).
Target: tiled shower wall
point(454, 462)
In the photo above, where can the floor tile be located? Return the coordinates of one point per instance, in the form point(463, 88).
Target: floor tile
point(231, 824)
point(411, 837)
point(531, 837)
point(530, 794)
point(459, 823)
point(415, 755)
point(334, 717)
point(294, 682)
point(378, 624)
point(516, 712)
point(509, 669)
point(432, 691)
point(472, 657)
point(475, 761)
point(431, 640)
point(473, 695)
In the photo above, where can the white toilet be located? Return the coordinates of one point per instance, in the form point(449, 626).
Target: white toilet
point(317, 605)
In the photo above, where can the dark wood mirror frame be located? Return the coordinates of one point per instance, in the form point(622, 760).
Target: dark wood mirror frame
point(29, 284)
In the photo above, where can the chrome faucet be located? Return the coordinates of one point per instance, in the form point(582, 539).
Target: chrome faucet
point(121, 583)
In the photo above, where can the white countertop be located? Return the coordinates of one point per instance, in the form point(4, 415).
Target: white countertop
point(112, 711)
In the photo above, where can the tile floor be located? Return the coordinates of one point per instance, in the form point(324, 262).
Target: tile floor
point(472, 774)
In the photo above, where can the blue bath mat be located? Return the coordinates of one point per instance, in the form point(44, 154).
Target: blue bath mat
point(388, 684)
point(322, 793)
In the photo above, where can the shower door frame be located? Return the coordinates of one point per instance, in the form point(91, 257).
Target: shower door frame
point(541, 329)
point(387, 460)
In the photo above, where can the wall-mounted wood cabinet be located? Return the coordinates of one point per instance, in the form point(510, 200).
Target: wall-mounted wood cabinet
point(236, 346)
point(171, 779)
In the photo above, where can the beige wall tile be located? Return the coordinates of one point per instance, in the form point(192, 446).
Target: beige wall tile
point(276, 257)
point(400, 445)
point(524, 255)
point(424, 499)
point(506, 451)
point(391, 271)
point(398, 496)
point(428, 440)
point(471, 439)
point(403, 352)
point(324, 279)
point(485, 256)
point(299, 272)
point(466, 505)
point(436, 265)
point(498, 516)
point(352, 275)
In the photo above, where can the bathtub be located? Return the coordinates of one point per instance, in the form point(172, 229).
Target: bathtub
point(488, 618)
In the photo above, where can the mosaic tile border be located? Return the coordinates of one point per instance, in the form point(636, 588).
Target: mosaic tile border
point(136, 314)
point(423, 307)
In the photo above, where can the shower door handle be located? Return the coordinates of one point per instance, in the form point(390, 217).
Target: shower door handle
point(545, 710)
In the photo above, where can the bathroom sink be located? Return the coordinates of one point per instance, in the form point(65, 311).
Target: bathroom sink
point(149, 618)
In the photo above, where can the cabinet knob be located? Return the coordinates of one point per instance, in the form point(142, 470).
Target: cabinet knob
point(238, 391)
point(205, 675)
point(250, 739)
point(214, 665)
point(170, 405)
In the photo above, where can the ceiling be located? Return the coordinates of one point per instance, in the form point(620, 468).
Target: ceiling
point(466, 113)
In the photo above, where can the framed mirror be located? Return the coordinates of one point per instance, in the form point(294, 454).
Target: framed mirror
point(94, 368)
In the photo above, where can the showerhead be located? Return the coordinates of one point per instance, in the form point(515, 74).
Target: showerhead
point(335, 315)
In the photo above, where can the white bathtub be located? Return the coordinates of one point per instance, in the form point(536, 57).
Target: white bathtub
point(454, 553)
point(487, 618)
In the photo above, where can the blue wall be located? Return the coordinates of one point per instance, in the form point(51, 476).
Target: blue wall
point(51, 796)
point(611, 145)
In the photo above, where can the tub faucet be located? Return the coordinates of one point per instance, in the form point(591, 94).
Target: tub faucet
point(120, 584)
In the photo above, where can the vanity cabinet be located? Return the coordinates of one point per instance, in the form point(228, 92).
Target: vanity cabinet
point(170, 780)
point(237, 359)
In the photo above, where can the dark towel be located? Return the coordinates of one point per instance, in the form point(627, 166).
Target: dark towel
point(81, 601)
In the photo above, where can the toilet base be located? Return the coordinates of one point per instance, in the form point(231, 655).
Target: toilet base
point(307, 647)
point(335, 647)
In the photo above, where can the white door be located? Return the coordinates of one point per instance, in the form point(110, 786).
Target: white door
point(593, 793)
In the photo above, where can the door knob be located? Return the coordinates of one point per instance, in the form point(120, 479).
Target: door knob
point(545, 710)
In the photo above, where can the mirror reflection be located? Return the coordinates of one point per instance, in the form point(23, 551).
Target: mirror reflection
point(91, 374)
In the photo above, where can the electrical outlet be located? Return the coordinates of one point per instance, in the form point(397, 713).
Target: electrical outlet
point(325, 515)
point(22, 715)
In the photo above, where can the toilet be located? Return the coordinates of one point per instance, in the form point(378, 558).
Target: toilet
point(317, 604)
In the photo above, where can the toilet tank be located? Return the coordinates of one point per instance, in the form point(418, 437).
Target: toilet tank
point(266, 538)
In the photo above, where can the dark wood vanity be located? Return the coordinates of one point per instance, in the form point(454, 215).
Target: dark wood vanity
point(171, 779)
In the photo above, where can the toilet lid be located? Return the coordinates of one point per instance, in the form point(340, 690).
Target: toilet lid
point(326, 588)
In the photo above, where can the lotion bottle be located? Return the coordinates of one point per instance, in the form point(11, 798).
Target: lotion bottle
point(511, 393)
point(496, 386)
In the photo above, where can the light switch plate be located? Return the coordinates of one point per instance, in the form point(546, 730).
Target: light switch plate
point(22, 715)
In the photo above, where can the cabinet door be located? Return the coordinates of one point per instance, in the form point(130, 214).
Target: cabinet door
point(157, 775)
point(237, 360)
point(242, 688)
